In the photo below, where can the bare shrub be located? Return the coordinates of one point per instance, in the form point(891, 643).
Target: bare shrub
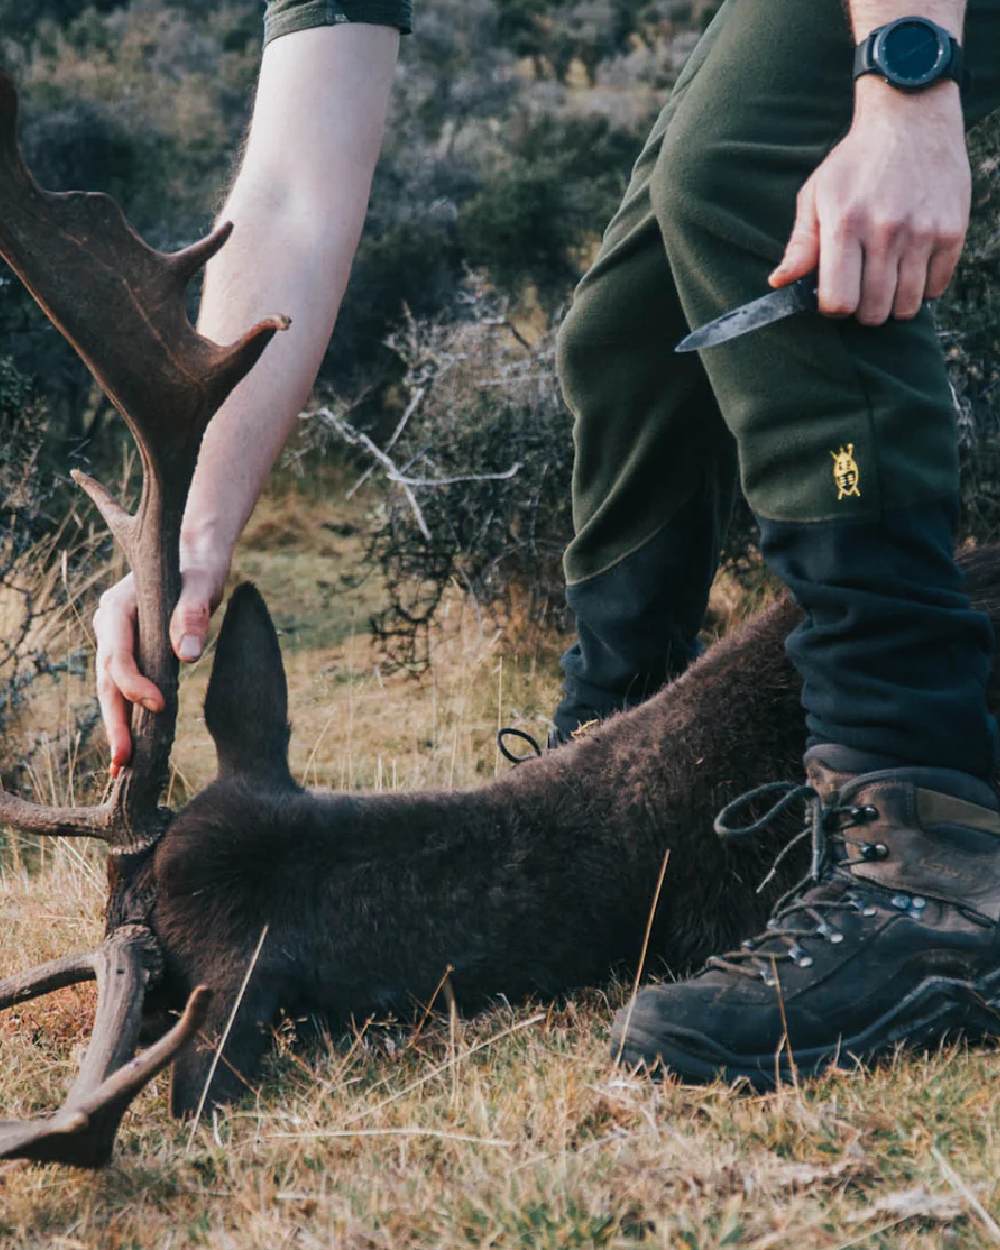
point(969, 321)
point(473, 482)
point(46, 565)
point(23, 523)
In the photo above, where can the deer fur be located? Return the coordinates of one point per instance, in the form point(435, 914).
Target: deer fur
point(537, 883)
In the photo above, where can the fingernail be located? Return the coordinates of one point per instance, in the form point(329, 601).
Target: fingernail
point(190, 647)
point(150, 705)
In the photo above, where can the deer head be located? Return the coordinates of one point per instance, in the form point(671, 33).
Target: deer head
point(89, 271)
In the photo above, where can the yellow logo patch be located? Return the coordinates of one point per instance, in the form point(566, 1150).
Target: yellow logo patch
point(846, 474)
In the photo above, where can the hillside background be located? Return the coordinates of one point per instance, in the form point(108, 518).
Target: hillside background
point(514, 126)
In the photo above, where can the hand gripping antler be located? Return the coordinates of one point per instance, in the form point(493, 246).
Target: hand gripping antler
point(121, 304)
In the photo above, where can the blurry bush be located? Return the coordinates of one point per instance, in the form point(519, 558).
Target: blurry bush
point(486, 161)
point(50, 559)
point(26, 520)
point(472, 482)
point(969, 321)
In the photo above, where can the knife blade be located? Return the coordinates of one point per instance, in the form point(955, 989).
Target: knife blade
point(797, 297)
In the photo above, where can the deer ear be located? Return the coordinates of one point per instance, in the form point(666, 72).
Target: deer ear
point(246, 707)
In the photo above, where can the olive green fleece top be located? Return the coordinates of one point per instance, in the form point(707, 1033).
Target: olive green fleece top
point(284, 16)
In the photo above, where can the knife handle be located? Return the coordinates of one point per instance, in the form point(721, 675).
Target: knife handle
point(807, 292)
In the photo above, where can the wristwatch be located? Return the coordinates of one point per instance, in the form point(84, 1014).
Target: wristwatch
point(911, 53)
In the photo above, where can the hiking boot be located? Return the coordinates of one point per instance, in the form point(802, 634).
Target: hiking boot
point(892, 938)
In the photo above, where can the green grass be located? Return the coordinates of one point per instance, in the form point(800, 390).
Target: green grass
point(507, 1129)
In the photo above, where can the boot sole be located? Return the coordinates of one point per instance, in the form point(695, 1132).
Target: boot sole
point(937, 1008)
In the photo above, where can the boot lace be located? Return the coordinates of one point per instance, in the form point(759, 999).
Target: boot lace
point(797, 920)
point(516, 757)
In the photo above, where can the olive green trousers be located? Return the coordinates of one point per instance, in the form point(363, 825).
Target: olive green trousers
point(764, 96)
point(844, 434)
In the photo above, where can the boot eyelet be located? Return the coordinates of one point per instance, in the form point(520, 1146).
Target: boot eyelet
point(836, 937)
point(901, 901)
point(869, 911)
point(918, 904)
point(805, 962)
point(768, 980)
point(874, 850)
point(864, 815)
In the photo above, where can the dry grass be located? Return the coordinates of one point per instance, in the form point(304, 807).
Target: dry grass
point(510, 1129)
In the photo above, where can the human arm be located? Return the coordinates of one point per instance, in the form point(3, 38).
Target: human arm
point(298, 205)
point(884, 216)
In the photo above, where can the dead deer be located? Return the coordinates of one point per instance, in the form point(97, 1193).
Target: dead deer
point(537, 883)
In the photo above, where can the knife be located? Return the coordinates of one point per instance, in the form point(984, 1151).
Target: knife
point(797, 297)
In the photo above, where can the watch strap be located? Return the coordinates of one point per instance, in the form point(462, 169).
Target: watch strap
point(956, 65)
point(863, 61)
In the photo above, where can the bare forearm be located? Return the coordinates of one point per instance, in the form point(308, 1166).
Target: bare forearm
point(298, 206)
point(290, 272)
point(866, 15)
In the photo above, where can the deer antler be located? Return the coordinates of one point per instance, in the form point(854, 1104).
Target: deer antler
point(121, 305)
point(83, 1130)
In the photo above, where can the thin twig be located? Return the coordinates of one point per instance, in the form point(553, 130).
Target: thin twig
point(960, 1187)
point(415, 401)
point(449, 996)
point(358, 438)
point(618, 1135)
point(449, 969)
point(225, 1035)
point(505, 476)
point(642, 955)
point(439, 1134)
point(785, 1043)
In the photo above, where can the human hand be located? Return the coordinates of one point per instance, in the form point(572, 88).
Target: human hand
point(884, 217)
point(119, 682)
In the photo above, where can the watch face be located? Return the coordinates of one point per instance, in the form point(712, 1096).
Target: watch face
point(911, 52)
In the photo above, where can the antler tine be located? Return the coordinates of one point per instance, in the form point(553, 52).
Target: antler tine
point(82, 1131)
point(121, 304)
point(60, 822)
point(70, 970)
point(189, 260)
